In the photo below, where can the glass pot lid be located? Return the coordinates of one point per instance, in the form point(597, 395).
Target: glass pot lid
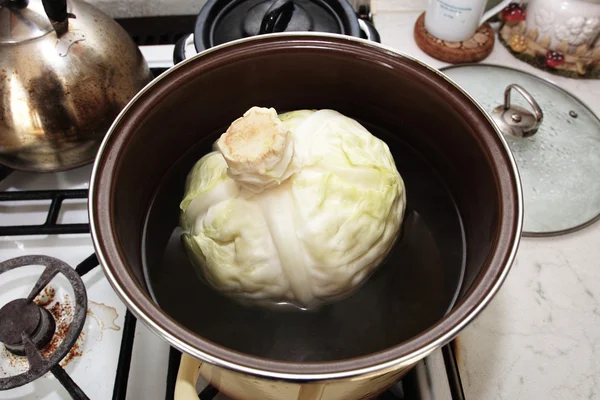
point(554, 138)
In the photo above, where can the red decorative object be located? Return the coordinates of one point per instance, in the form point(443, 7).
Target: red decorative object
point(554, 58)
point(514, 12)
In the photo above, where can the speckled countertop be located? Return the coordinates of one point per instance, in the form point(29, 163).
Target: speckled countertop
point(540, 336)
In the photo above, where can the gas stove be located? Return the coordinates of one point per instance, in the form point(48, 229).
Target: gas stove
point(82, 342)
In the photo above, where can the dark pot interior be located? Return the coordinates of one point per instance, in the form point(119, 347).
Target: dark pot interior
point(462, 193)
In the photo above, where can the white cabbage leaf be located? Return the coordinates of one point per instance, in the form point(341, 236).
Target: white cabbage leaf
point(297, 208)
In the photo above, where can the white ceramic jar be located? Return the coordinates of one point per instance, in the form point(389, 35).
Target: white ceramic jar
point(576, 22)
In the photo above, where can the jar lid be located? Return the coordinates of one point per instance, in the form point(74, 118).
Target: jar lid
point(222, 21)
point(554, 138)
point(22, 20)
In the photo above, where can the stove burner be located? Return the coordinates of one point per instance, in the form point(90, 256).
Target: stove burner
point(24, 317)
point(24, 326)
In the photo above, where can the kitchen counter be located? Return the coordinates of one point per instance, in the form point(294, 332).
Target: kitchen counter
point(538, 339)
point(540, 336)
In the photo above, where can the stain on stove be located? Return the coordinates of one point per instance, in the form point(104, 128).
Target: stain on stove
point(13, 360)
point(45, 297)
point(105, 316)
point(62, 311)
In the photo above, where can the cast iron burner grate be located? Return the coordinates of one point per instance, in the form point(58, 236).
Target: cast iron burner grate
point(31, 327)
point(26, 328)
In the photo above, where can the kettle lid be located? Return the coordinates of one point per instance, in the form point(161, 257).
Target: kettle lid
point(22, 20)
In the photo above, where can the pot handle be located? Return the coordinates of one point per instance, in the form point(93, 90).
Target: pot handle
point(187, 377)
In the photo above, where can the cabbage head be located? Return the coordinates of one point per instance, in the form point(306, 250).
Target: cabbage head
point(297, 208)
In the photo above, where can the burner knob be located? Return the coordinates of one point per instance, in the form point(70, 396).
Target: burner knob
point(20, 317)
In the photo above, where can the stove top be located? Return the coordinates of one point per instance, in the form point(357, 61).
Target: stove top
point(80, 341)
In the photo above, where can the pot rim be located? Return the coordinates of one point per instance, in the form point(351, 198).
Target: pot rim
point(443, 331)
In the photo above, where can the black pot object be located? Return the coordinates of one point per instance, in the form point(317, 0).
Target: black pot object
point(222, 21)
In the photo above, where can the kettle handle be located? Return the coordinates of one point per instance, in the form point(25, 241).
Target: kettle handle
point(56, 10)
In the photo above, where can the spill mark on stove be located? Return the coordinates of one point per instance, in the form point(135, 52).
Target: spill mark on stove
point(62, 310)
point(46, 296)
point(105, 316)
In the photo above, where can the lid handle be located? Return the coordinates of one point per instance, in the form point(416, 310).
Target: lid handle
point(517, 121)
point(56, 10)
point(277, 17)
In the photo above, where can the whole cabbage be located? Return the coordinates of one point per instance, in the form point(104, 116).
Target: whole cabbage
point(298, 208)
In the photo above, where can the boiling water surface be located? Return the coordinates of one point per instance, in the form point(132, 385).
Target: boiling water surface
point(414, 287)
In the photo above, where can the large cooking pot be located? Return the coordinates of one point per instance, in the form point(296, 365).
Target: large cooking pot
point(460, 234)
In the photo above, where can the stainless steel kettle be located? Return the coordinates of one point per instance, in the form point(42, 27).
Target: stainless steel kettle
point(66, 71)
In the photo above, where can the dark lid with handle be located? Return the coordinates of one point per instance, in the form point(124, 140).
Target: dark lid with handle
point(222, 21)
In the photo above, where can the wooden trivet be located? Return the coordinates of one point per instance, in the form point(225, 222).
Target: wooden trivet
point(472, 50)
